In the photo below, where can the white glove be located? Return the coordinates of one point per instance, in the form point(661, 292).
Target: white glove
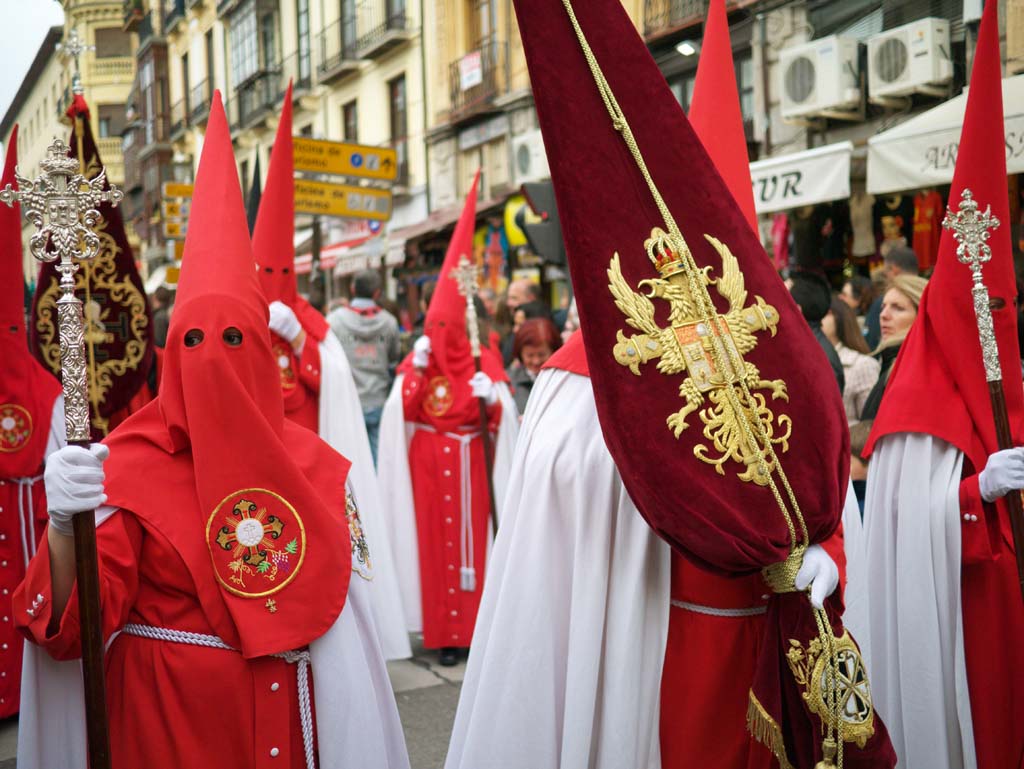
point(483, 387)
point(1003, 473)
point(820, 572)
point(74, 483)
point(421, 352)
point(283, 321)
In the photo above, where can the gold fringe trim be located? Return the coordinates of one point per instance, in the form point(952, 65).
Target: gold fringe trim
point(764, 729)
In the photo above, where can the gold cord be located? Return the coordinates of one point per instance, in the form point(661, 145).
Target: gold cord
point(746, 412)
point(766, 456)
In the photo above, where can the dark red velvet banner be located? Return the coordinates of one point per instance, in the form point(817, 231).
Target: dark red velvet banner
point(668, 402)
point(118, 326)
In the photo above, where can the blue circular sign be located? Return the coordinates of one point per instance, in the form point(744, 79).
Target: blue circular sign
point(356, 160)
point(374, 226)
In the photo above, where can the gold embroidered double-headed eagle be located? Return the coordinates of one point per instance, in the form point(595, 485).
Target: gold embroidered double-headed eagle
point(708, 349)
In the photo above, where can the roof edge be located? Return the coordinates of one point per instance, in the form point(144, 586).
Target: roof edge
point(42, 57)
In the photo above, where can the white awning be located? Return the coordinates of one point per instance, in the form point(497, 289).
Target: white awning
point(922, 151)
point(802, 179)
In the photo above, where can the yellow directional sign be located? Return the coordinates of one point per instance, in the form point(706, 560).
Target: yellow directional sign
point(175, 229)
point(177, 190)
point(172, 275)
point(345, 159)
point(343, 200)
point(179, 250)
point(176, 209)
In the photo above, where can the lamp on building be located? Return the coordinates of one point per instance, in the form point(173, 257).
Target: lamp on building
point(688, 47)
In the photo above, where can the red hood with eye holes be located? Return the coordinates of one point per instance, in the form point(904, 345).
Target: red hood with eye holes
point(273, 238)
point(212, 460)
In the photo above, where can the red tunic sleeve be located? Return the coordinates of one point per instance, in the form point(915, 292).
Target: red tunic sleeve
point(979, 524)
point(309, 365)
point(835, 548)
point(119, 542)
point(414, 390)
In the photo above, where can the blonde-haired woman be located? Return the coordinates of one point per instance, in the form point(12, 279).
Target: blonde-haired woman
point(899, 309)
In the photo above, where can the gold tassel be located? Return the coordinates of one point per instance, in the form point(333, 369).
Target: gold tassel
point(828, 760)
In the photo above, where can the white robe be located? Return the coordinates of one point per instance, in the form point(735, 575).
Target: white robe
point(565, 666)
point(342, 426)
point(396, 489)
point(907, 617)
point(566, 663)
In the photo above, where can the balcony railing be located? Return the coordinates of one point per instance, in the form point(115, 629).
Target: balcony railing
point(174, 14)
point(199, 103)
point(256, 98)
point(114, 69)
point(476, 79)
point(337, 50)
point(179, 118)
point(663, 16)
point(385, 27)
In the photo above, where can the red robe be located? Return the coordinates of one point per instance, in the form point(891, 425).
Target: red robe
point(988, 581)
point(435, 463)
point(27, 397)
point(169, 701)
point(300, 380)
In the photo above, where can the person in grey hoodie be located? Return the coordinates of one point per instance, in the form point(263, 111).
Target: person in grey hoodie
point(369, 335)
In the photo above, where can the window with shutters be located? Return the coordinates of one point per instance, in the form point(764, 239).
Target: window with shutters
point(111, 42)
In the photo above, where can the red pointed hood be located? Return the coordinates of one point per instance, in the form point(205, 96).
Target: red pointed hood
point(451, 362)
point(715, 112)
point(273, 238)
point(269, 494)
point(12, 279)
point(940, 361)
point(27, 390)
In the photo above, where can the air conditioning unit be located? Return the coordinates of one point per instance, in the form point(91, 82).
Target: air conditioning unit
point(821, 78)
point(914, 58)
point(529, 160)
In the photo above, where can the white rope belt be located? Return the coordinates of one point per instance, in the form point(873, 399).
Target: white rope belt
point(712, 611)
point(298, 658)
point(467, 566)
point(26, 514)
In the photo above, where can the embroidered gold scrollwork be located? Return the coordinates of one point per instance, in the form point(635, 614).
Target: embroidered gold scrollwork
point(686, 346)
point(102, 277)
point(843, 672)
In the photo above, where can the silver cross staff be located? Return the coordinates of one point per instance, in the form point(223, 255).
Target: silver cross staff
point(971, 230)
point(70, 51)
point(61, 204)
point(467, 275)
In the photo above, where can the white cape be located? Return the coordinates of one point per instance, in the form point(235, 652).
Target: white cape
point(565, 666)
point(905, 574)
point(342, 426)
point(396, 489)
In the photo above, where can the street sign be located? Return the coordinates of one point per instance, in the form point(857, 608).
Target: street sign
point(176, 209)
point(175, 229)
point(345, 159)
point(343, 200)
point(177, 190)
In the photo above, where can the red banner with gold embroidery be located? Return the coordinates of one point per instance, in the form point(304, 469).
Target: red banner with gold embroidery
point(118, 325)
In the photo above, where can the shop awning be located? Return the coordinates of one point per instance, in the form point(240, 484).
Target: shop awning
point(802, 178)
point(922, 151)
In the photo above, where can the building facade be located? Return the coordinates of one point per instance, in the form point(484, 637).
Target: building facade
point(107, 69)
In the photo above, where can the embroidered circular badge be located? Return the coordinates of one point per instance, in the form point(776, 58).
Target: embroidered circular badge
point(257, 542)
point(15, 427)
point(439, 396)
point(283, 356)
